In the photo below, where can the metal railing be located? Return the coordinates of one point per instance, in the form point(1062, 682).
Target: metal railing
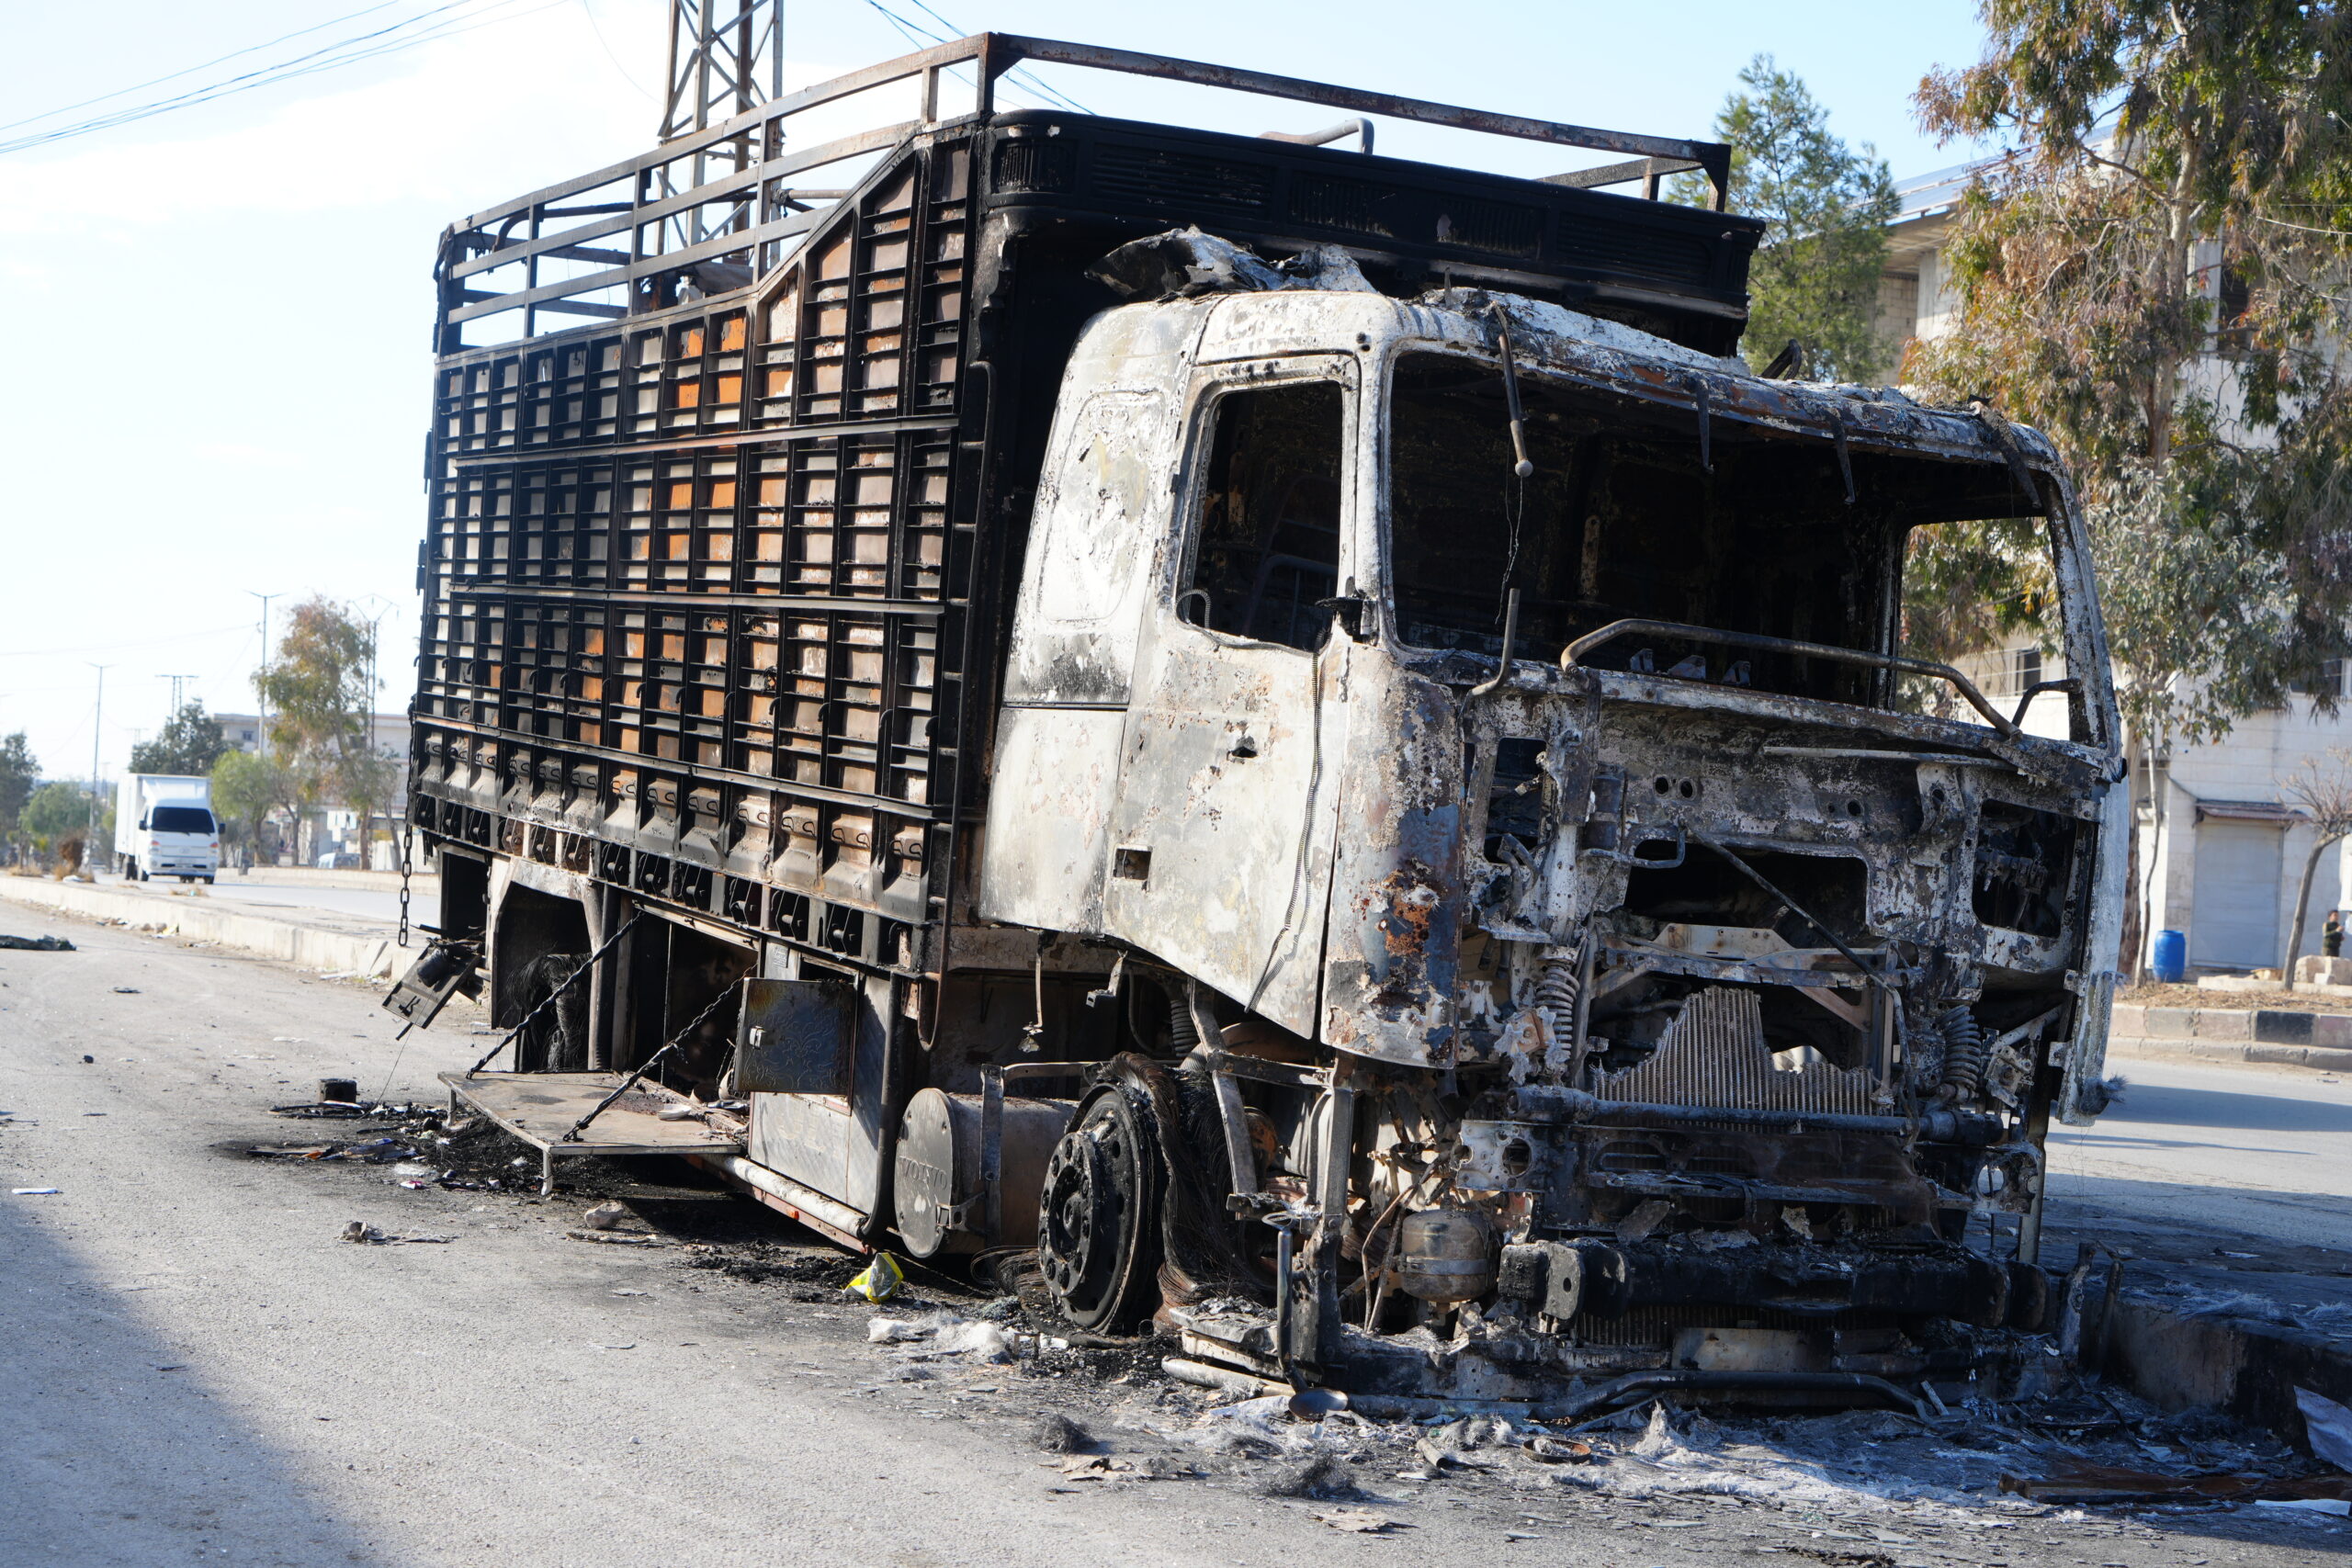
point(662, 214)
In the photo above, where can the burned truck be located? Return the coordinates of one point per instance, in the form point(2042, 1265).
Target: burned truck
point(1280, 735)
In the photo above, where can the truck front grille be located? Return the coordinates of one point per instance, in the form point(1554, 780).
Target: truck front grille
point(1715, 1054)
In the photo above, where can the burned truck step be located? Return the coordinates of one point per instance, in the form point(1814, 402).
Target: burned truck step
point(548, 1111)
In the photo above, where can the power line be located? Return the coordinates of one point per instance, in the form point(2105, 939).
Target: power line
point(242, 82)
point(141, 642)
point(328, 57)
point(915, 33)
point(1027, 76)
point(597, 28)
point(190, 70)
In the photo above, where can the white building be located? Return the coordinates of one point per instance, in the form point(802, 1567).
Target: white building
point(2226, 851)
point(336, 834)
point(386, 731)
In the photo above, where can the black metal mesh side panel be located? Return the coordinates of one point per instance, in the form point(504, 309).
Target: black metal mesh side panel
point(686, 578)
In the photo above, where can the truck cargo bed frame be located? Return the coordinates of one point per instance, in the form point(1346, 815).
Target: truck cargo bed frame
point(712, 580)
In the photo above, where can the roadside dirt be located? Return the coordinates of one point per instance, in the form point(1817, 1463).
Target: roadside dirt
point(1887, 1488)
point(2296, 1000)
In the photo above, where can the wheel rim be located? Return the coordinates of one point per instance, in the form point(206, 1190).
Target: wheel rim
point(1095, 1231)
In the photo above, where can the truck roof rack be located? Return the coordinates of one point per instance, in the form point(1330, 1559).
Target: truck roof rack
point(724, 197)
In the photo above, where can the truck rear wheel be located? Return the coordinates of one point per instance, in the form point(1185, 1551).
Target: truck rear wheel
point(1098, 1223)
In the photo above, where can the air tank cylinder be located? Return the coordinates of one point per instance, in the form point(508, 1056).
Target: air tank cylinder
point(1444, 1256)
point(942, 1207)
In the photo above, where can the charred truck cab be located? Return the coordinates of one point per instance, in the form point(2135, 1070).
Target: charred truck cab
point(1282, 732)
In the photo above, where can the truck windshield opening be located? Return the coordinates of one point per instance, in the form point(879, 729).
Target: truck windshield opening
point(1624, 517)
point(180, 820)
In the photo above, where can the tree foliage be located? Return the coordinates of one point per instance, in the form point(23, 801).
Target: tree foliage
point(1969, 586)
point(245, 786)
point(1815, 278)
point(189, 744)
point(321, 689)
point(18, 773)
point(2153, 270)
point(57, 811)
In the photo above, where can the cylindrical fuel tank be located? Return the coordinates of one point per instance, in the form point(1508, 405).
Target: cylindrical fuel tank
point(1445, 1255)
point(941, 1208)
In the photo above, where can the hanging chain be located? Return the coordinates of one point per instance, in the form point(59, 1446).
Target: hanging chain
point(725, 996)
point(549, 1000)
point(408, 851)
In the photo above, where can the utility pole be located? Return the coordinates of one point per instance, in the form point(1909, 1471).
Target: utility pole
point(719, 68)
point(264, 697)
point(98, 718)
point(726, 58)
point(367, 827)
point(178, 686)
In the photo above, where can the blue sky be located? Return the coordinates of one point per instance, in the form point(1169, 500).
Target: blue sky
point(218, 322)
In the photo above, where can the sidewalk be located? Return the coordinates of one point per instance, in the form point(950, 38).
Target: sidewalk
point(2205, 1319)
point(315, 938)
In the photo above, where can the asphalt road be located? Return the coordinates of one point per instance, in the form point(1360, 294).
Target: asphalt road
point(197, 1370)
point(2262, 1154)
point(366, 903)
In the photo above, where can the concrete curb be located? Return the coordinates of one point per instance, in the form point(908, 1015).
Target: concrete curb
point(2251, 1370)
point(2266, 1026)
point(2319, 1058)
point(2273, 1036)
point(341, 948)
point(310, 877)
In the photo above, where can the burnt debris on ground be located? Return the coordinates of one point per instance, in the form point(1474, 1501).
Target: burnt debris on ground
point(2087, 1463)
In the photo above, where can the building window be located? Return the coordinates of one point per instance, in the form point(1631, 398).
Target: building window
point(2330, 682)
point(2019, 667)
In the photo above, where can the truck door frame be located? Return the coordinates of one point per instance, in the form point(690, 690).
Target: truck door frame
point(1222, 827)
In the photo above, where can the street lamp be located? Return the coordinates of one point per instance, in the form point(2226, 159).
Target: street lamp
point(97, 717)
point(366, 829)
point(263, 716)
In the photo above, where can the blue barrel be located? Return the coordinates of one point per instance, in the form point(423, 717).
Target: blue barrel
point(2172, 957)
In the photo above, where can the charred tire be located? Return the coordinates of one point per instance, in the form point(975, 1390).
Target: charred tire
point(2029, 1298)
point(1098, 1217)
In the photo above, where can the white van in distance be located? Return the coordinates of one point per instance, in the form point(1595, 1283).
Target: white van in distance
point(164, 826)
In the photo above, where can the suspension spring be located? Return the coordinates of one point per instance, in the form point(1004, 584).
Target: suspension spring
point(1555, 995)
point(1965, 1053)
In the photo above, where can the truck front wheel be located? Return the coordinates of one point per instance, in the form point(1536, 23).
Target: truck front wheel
point(1098, 1222)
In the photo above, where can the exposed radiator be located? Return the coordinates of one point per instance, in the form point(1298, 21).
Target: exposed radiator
point(1715, 1054)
